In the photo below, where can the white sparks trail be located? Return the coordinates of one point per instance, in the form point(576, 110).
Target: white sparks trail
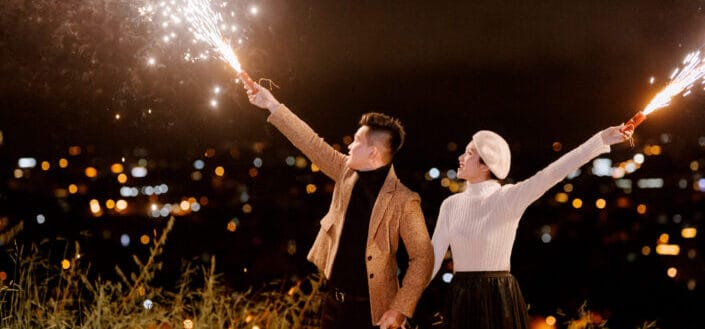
point(682, 80)
point(209, 24)
point(205, 25)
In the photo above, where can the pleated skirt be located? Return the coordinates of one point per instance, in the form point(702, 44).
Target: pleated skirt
point(485, 300)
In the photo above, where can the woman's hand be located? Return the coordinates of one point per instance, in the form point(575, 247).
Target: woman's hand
point(617, 134)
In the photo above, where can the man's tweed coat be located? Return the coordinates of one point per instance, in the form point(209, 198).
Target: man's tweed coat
point(396, 214)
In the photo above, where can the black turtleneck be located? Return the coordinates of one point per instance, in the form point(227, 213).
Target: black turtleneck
point(349, 268)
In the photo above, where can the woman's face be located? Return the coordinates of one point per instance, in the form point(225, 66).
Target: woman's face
point(470, 168)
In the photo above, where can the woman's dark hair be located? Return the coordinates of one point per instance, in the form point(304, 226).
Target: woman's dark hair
point(492, 175)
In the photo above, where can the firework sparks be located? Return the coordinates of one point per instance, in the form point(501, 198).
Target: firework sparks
point(205, 24)
point(682, 81)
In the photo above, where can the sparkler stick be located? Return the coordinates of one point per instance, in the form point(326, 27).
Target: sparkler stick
point(249, 84)
point(635, 121)
point(682, 80)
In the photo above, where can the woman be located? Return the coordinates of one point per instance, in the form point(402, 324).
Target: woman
point(480, 225)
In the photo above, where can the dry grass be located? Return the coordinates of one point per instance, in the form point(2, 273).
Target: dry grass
point(585, 319)
point(45, 295)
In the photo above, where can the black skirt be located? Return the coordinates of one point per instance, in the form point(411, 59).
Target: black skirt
point(486, 300)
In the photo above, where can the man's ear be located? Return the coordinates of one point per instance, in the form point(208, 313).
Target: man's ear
point(374, 152)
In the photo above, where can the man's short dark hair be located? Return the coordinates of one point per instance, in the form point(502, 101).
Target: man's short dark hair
point(390, 126)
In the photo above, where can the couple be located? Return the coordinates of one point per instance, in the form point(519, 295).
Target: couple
point(372, 212)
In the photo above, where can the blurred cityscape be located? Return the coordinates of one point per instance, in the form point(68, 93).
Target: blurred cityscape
point(621, 233)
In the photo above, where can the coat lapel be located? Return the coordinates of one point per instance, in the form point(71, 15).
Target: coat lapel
point(381, 204)
point(346, 187)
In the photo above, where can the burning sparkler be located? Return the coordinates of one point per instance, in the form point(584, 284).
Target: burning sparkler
point(206, 25)
point(204, 22)
point(682, 80)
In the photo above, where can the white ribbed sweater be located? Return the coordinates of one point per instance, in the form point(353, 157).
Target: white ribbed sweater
point(480, 223)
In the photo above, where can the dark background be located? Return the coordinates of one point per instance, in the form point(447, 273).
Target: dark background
point(537, 72)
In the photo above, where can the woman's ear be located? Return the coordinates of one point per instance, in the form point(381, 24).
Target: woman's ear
point(485, 168)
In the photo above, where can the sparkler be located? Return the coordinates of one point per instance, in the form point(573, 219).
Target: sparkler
point(206, 25)
point(682, 80)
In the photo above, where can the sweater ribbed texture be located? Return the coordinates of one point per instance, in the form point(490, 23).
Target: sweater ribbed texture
point(480, 223)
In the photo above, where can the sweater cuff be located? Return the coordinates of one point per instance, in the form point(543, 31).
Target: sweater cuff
point(597, 145)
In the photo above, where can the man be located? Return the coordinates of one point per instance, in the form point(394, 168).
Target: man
point(370, 211)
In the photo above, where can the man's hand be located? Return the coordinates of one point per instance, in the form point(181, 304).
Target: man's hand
point(263, 98)
point(391, 319)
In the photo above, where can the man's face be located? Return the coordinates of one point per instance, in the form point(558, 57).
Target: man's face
point(359, 151)
point(469, 166)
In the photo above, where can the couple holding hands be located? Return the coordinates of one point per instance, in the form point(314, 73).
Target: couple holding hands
point(372, 212)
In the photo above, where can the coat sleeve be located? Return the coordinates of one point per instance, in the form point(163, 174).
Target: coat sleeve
point(331, 162)
point(414, 234)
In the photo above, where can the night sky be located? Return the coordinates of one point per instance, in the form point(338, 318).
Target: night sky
point(517, 68)
point(537, 72)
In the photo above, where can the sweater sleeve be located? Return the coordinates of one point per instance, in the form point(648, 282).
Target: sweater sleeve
point(331, 162)
point(441, 239)
point(521, 195)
